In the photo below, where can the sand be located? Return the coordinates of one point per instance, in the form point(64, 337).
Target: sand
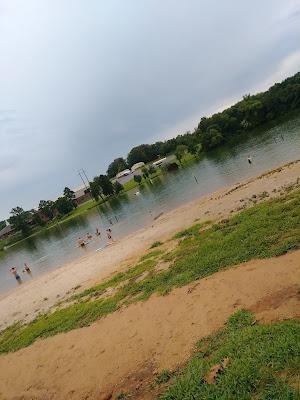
point(124, 350)
point(38, 295)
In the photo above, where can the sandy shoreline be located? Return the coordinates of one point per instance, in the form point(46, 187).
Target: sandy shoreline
point(42, 292)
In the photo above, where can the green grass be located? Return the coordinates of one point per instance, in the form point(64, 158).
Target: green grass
point(152, 254)
point(264, 363)
point(269, 229)
point(155, 244)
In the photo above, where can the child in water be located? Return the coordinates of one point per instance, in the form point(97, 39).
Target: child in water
point(14, 271)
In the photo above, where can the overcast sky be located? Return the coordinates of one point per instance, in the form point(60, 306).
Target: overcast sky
point(82, 81)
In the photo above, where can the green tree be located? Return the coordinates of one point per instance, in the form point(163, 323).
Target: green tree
point(36, 218)
point(145, 172)
point(95, 190)
point(181, 149)
point(64, 205)
point(69, 194)
point(117, 187)
point(46, 207)
point(20, 220)
point(105, 184)
point(2, 225)
point(138, 179)
point(118, 165)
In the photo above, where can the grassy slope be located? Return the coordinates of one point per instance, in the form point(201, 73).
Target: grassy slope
point(264, 363)
point(258, 232)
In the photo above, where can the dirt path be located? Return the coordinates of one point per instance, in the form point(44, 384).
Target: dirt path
point(124, 349)
point(41, 293)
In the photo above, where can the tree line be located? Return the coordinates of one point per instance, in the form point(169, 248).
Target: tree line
point(24, 221)
point(243, 117)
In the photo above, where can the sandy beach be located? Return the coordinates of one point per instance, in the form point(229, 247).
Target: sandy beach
point(38, 295)
point(125, 350)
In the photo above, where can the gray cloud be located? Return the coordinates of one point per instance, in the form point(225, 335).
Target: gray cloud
point(82, 82)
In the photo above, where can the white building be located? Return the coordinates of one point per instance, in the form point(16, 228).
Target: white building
point(137, 166)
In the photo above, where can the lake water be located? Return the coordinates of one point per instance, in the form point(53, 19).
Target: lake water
point(222, 167)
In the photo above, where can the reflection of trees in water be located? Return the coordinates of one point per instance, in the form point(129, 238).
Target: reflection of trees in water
point(30, 243)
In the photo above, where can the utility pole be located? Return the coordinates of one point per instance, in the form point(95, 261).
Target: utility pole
point(82, 173)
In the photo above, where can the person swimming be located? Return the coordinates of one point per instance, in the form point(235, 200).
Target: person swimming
point(89, 236)
point(80, 242)
point(14, 271)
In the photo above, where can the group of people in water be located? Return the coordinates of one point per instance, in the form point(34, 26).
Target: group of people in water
point(82, 242)
point(17, 276)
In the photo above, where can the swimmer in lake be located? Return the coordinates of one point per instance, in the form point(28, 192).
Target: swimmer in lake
point(89, 236)
point(81, 243)
point(26, 269)
point(109, 234)
point(14, 271)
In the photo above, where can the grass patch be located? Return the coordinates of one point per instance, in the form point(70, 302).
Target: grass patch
point(155, 244)
point(118, 278)
point(192, 231)
point(152, 254)
point(164, 377)
point(258, 232)
point(264, 363)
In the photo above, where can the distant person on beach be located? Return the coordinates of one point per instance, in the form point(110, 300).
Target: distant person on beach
point(81, 242)
point(27, 269)
point(98, 233)
point(14, 271)
point(249, 160)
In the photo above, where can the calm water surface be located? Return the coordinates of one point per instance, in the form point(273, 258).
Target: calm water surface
point(225, 166)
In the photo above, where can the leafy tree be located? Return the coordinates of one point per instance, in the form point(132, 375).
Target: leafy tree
point(151, 170)
point(2, 225)
point(145, 172)
point(46, 207)
point(20, 220)
point(180, 151)
point(117, 187)
point(36, 218)
point(95, 190)
point(69, 194)
point(118, 165)
point(64, 205)
point(105, 184)
point(137, 178)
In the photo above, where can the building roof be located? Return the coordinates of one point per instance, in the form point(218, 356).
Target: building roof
point(137, 165)
point(79, 192)
point(7, 229)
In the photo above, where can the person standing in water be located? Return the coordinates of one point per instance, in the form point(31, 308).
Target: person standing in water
point(98, 233)
point(109, 234)
point(27, 269)
point(249, 160)
point(14, 271)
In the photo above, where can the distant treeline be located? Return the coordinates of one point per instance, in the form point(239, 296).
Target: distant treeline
point(249, 113)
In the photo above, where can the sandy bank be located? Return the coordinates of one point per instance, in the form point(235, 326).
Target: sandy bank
point(41, 293)
point(123, 350)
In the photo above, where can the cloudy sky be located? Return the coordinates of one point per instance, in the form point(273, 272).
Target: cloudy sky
point(81, 81)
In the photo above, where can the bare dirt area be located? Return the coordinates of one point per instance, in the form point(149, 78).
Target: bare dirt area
point(25, 302)
point(125, 350)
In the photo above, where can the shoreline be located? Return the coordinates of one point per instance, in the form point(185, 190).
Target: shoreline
point(42, 292)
